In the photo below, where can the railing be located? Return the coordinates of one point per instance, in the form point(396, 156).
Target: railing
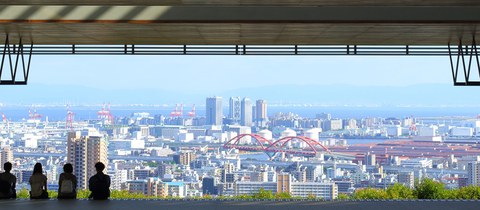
point(331, 50)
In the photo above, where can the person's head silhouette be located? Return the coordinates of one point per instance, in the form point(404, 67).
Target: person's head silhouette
point(99, 167)
point(7, 167)
point(37, 169)
point(68, 168)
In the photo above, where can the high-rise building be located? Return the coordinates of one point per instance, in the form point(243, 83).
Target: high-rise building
point(209, 186)
point(462, 182)
point(261, 111)
point(214, 111)
point(184, 158)
point(284, 182)
point(324, 116)
point(119, 177)
point(246, 112)
point(370, 159)
point(313, 173)
point(473, 173)
point(300, 175)
point(254, 113)
point(6, 155)
point(406, 178)
point(137, 174)
point(163, 169)
point(332, 125)
point(234, 109)
point(261, 106)
point(83, 152)
point(351, 124)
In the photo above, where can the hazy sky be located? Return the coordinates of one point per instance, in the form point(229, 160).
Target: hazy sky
point(351, 80)
point(209, 73)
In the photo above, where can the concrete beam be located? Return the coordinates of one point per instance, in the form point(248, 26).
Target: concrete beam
point(237, 14)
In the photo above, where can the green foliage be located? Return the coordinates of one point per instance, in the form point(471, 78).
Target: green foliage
point(263, 194)
point(151, 164)
point(370, 193)
point(283, 195)
point(399, 191)
point(448, 194)
point(344, 197)
point(222, 197)
point(23, 193)
point(311, 196)
point(243, 197)
point(83, 194)
point(470, 192)
point(429, 189)
point(123, 194)
point(52, 194)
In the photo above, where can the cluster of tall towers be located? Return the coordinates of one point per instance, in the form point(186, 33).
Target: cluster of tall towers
point(241, 111)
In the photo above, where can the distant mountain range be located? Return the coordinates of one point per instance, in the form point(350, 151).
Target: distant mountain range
point(332, 95)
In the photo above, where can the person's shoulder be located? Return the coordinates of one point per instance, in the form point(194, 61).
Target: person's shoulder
point(72, 177)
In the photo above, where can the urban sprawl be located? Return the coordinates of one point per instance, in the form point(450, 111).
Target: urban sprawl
point(191, 155)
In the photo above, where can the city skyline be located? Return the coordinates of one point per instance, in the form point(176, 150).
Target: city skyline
point(324, 156)
point(359, 80)
point(295, 115)
point(266, 101)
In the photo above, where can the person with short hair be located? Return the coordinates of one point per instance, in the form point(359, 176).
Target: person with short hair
point(38, 183)
point(67, 183)
point(7, 182)
point(99, 184)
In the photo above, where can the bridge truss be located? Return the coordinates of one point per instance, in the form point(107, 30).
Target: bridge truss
point(261, 144)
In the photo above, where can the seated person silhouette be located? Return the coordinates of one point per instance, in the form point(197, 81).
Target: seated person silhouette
point(38, 183)
point(7, 183)
point(67, 183)
point(99, 184)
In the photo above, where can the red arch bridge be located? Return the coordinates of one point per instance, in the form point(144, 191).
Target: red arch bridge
point(258, 143)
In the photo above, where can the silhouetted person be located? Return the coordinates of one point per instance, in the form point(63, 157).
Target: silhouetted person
point(99, 184)
point(7, 183)
point(67, 183)
point(38, 183)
